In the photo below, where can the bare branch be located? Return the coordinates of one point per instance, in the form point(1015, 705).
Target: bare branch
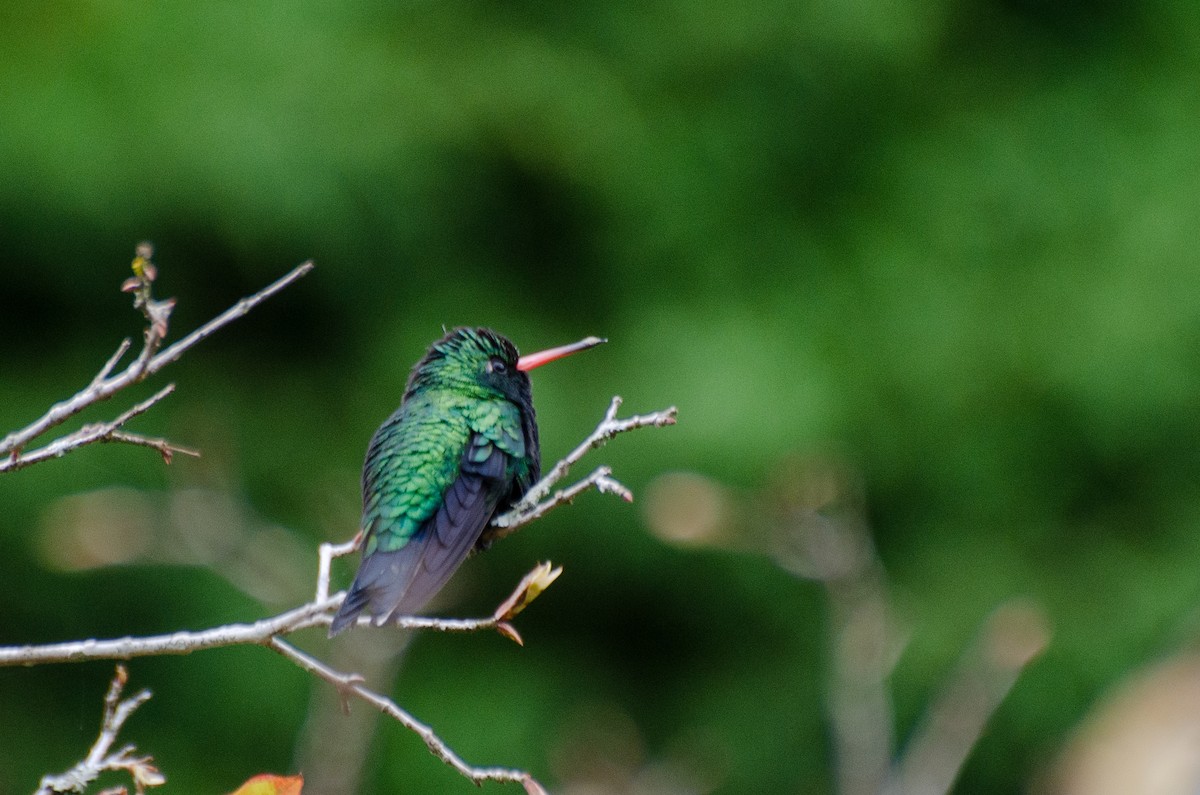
point(148, 362)
point(320, 611)
point(313, 614)
point(185, 642)
point(102, 432)
point(99, 760)
point(349, 684)
point(532, 506)
point(269, 632)
point(326, 553)
point(238, 310)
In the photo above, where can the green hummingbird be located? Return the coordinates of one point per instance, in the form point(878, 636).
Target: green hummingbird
point(462, 447)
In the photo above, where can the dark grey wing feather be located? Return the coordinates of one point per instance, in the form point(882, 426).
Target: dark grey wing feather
point(448, 536)
point(380, 582)
point(400, 582)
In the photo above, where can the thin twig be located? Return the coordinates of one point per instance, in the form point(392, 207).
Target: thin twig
point(122, 349)
point(601, 480)
point(325, 555)
point(103, 386)
point(313, 614)
point(531, 506)
point(102, 432)
point(185, 642)
point(167, 449)
point(349, 684)
point(99, 760)
point(238, 310)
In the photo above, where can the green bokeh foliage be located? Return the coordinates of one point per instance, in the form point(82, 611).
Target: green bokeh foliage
point(952, 241)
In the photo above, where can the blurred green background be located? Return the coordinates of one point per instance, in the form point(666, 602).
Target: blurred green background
point(951, 244)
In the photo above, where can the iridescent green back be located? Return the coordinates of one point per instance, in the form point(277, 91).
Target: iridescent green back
point(416, 455)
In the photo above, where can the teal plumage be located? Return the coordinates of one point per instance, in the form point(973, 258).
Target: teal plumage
point(420, 450)
point(462, 447)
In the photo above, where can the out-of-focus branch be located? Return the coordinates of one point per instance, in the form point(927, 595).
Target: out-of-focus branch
point(99, 760)
point(1015, 634)
point(823, 536)
point(815, 527)
point(149, 361)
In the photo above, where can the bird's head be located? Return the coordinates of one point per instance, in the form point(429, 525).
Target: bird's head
point(484, 363)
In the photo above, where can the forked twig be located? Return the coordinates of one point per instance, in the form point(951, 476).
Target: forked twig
point(535, 503)
point(99, 759)
point(351, 685)
point(148, 362)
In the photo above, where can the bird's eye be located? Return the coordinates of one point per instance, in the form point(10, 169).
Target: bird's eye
point(497, 366)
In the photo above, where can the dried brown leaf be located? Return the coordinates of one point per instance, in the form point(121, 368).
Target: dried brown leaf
point(509, 631)
point(530, 588)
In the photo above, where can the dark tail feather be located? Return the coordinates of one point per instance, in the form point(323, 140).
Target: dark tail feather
point(380, 585)
point(347, 614)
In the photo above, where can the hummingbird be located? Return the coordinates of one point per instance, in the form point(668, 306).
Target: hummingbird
point(461, 448)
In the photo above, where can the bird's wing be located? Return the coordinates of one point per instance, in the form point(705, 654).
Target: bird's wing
point(503, 424)
point(445, 539)
point(412, 457)
point(500, 423)
point(441, 544)
point(416, 531)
